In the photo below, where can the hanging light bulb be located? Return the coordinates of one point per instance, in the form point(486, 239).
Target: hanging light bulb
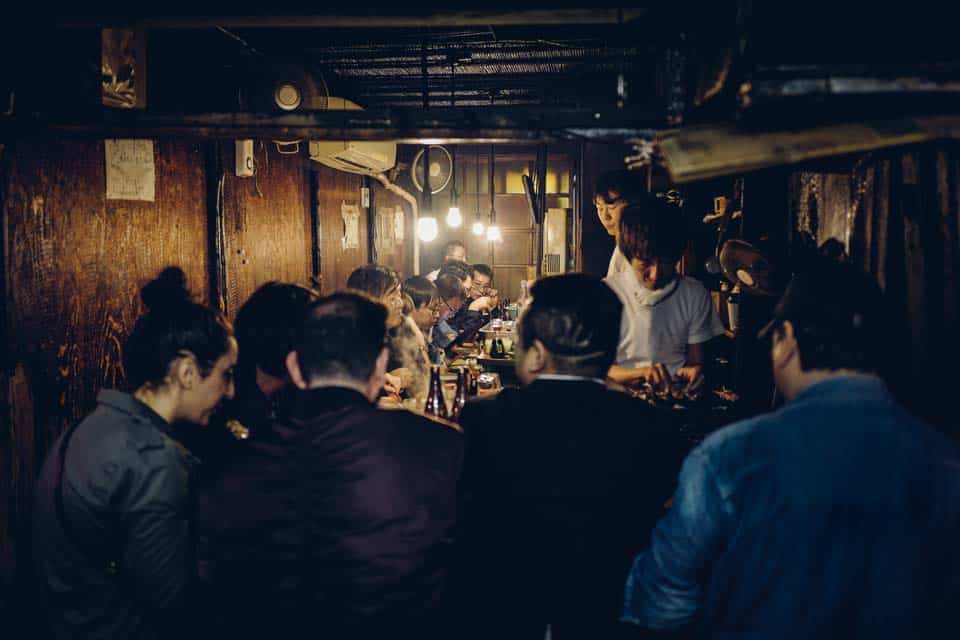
point(427, 228)
point(493, 233)
point(478, 228)
point(454, 219)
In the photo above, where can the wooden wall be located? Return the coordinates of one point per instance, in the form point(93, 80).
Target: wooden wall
point(388, 249)
point(266, 221)
point(334, 189)
point(74, 263)
point(901, 212)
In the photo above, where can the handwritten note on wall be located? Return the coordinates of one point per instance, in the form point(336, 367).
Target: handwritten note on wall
point(130, 169)
point(351, 225)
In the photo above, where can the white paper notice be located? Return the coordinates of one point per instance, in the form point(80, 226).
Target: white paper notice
point(130, 170)
point(351, 225)
point(398, 224)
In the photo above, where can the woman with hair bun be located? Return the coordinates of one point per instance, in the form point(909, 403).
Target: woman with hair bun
point(114, 521)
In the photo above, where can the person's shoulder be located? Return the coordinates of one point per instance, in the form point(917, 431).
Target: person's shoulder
point(692, 288)
point(620, 282)
point(736, 436)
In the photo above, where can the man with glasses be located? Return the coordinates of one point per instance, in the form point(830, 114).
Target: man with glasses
point(836, 516)
point(667, 318)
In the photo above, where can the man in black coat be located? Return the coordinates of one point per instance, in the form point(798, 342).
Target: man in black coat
point(562, 479)
point(336, 522)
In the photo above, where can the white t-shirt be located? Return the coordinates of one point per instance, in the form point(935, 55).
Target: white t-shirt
point(432, 276)
point(657, 326)
point(618, 262)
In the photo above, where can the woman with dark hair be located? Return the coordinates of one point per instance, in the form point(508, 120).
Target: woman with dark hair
point(114, 521)
point(383, 285)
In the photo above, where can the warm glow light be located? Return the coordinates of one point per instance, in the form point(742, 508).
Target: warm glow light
point(427, 229)
point(493, 233)
point(454, 219)
point(478, 228)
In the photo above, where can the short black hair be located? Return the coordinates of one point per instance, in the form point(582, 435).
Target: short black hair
point(373, 279)
point(456, 268)
point(266, 324)
point(483, 269)
point(652, 228)
point(449, 286)
point(577, 318)
point(451, 244)
point(341, 337)
point(628, 184)
point(838, 313)
point(420, 290)
point(173, 324)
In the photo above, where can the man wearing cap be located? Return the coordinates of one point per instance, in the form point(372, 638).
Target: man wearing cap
point(836, 516)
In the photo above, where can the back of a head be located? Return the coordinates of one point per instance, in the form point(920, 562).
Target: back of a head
point(838, 312)
point(627, 184)
point(341, 337)
point(449, 286)
point(577, 318)
point(420, 290)
point(652, 228)
point(456, 268)
point(174, 325)
point(266, 324)
point(373, 279)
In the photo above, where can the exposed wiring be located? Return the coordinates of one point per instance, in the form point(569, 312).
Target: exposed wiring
point(246, 44)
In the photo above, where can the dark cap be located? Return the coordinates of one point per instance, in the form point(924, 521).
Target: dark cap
point(831, 299)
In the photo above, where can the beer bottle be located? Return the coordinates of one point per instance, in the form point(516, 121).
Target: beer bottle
point(436, 406)
point(460, 397)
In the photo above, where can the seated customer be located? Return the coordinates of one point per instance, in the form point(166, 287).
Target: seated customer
point(339, 525)
point(667, 318)
point(452, 297)
point(426, 311)
point(836, 516)
point(383, 284)
point(561, 478)
point(453, 251)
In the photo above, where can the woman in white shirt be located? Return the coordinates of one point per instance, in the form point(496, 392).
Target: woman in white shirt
point(667, 317)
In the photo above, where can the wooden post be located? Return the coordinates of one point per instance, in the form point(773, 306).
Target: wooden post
point(215, 231)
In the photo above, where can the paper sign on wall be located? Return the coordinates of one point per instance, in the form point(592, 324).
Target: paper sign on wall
point(398, 224)
point(130, 169)
point(385, 227)
point(351, 225)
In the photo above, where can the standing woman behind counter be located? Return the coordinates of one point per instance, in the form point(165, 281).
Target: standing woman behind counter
point(114, 521)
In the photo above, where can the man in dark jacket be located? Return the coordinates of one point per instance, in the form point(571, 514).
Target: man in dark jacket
point(561, 478)
point(337, 521)
point(837, 516)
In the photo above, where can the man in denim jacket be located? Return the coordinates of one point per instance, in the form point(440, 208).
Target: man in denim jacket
point(837, 516)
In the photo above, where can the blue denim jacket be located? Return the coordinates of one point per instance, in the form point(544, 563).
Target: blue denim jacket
point(836, 516)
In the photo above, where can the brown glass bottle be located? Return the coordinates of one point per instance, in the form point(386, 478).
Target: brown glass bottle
point(460, 397)
point(436, 406)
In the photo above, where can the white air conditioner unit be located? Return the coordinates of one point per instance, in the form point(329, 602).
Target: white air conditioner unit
point(355, 156)
point(350, 155)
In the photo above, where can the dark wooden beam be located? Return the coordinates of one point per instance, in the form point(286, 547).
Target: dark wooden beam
point(478, 18)
point(414, 126)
